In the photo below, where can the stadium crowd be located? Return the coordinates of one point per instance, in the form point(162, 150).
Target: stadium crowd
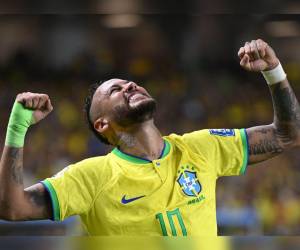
point(211, 95)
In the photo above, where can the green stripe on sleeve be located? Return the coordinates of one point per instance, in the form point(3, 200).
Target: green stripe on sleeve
point(166, 149)
point(54, 199)
point(245, 150)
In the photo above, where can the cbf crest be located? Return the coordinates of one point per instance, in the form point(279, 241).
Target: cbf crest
point(188, 182)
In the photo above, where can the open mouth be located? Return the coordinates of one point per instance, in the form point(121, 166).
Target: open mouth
point(136, 97)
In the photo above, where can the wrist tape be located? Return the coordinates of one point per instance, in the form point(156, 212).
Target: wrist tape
point(275, 75)
point(19, 121)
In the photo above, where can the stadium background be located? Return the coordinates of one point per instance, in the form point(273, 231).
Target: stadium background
point(188, 62)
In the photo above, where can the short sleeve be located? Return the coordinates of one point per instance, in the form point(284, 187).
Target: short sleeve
point(226, 150)
point(72, 190)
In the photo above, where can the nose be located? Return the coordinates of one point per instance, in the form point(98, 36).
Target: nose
point(130, 86)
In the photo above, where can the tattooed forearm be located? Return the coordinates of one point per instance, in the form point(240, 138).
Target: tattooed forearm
point(270, 140)
point(286, 107)
point(16, 157)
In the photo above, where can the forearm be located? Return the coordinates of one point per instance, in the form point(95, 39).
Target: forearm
point(11, 182)
point(286, 114)
point(15, 202)
point(268, 141)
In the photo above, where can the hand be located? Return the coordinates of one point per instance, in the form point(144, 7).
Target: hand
point(257, 56)
point(39, 103)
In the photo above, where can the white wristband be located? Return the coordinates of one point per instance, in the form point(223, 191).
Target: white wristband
point(275, 75)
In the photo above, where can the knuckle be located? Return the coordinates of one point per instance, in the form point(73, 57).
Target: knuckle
point(43, 96)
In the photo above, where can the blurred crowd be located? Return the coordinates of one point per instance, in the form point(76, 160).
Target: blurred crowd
point(193, 91)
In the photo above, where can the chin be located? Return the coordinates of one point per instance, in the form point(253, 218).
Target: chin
point(137, 112)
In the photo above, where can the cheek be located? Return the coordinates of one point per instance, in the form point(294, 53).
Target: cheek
point(144, 91)
point(115, 100)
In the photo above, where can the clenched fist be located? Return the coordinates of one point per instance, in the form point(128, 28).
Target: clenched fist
point(39, 103)
point(257, 56)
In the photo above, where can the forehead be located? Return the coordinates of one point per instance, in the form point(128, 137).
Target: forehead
point(102, 90)
point(104, 87)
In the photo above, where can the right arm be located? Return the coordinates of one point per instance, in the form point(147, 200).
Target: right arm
point(17, 203)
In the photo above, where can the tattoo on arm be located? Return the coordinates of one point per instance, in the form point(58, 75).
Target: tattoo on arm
point(15, 202)
point(37, 197)
point(40, 199)
point(263, 143)
point(286, 112)
point(268, 141)
point(265, 146)
point(16, 157)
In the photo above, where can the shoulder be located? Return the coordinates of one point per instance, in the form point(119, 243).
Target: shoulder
point(207, 134)
point(189, 141)
point(89, 166)
point(186, 137)
point(206, 140)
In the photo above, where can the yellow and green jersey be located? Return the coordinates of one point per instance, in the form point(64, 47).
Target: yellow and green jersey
point(120, 194)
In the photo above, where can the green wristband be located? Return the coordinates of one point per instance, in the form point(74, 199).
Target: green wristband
point(19, 121)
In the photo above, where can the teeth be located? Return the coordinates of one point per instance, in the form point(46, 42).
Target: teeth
point(135, 96)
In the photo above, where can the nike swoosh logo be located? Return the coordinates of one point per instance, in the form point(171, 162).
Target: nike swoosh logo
point(125, 201)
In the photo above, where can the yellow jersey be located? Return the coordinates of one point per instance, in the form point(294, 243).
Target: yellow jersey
point(121, 194)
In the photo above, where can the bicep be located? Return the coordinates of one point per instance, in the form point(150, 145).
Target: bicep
point(38, 203)
point(263, 143)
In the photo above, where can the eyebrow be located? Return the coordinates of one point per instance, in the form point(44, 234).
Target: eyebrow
point(118, 84)
point(115, 85)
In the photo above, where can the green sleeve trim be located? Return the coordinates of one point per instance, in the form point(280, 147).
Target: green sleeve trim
point(54, 199)
point(245, 150)
point(166, 149)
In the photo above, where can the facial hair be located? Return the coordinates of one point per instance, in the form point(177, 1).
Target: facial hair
point(125, 115)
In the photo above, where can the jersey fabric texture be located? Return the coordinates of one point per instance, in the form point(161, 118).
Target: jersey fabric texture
point(120, 194)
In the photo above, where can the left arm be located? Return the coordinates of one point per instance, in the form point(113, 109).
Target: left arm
point(268, 141)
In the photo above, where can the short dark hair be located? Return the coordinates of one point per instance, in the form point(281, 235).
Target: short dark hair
point(87, 109)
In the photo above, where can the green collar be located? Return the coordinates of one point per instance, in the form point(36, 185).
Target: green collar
point(140, 160)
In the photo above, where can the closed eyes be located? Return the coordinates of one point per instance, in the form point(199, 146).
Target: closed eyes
point(114, 89)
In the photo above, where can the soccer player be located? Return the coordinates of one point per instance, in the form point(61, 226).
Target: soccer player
point(149, 184)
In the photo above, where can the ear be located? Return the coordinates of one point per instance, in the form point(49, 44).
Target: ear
point(101, 125)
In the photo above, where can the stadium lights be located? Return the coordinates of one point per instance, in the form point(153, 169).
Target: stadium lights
point(283, 28)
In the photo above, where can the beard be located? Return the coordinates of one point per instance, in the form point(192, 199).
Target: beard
point(125, 115)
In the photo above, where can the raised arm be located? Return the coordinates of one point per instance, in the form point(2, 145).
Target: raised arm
point(15, 202)
point(268, 141)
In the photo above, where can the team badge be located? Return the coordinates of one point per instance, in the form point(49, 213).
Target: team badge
point(189, 183)
point(222, 132)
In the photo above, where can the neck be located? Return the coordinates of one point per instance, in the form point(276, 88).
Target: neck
point(142, 140)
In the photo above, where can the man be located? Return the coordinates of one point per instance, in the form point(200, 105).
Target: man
point(149, 184)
